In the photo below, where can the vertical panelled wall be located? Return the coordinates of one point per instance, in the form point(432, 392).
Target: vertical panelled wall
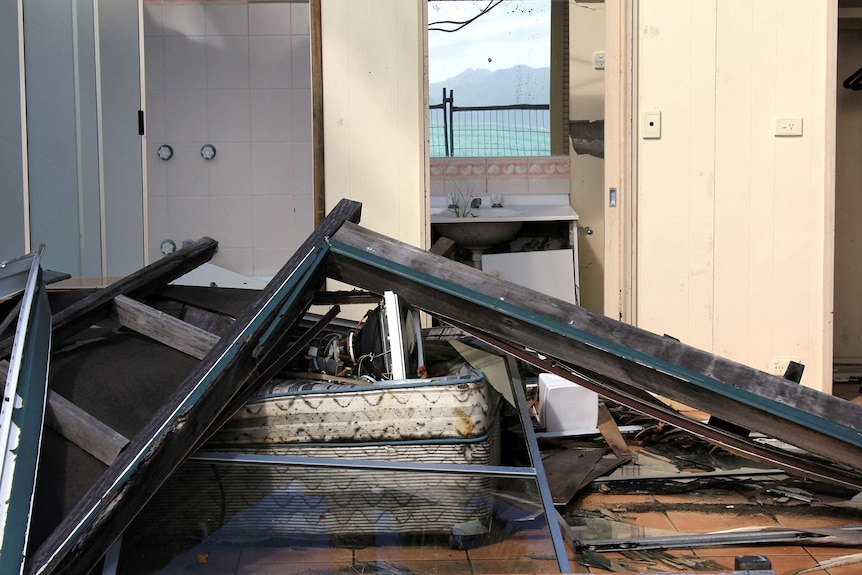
point(12, 182)
point(735, 225)
point(374, 106)
point(236, 75)
point(586, 172)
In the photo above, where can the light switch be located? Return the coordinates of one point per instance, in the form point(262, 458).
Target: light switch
point(651, 124)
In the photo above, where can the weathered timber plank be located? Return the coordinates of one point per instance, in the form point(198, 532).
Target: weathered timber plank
point(163, 328)
point(97, 306)
point(78, 426)
point(105, 511)
point(814, 421)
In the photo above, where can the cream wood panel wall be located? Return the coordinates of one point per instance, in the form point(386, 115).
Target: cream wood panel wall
point(586, 173)
point(735, 224)
point(374, 105)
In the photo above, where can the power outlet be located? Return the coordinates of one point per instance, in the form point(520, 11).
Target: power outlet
point(778, 366)
point(598, 60)
point(788, 126)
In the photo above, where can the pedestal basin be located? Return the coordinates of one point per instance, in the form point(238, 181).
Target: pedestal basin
point(487, 227)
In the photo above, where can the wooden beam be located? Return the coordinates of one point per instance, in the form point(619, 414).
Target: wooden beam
point(163, 328)
point(317, 128)
point(107, 509)
point(97, 306)
point(78, 426)
point(816, 422)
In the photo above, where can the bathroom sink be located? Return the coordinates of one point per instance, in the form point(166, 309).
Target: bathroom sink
point(476, 214)
point(478, 233)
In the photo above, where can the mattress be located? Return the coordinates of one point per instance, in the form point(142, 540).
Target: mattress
point(456, 407)
point(446, 420)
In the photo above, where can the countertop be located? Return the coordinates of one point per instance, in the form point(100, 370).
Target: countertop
point(537, 208)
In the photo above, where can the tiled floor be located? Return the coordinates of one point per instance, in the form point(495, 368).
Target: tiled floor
point(527, 547)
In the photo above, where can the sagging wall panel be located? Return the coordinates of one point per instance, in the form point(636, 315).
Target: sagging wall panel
point(734, 223)
point(12, 183)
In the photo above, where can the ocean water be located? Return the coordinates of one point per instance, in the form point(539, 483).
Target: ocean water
point(492, 141)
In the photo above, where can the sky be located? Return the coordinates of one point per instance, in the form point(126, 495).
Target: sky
point(516, 32)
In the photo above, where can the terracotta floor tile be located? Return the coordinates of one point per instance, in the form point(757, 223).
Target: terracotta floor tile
point(265, 555)
point(699, 522)
point(705, 498)
point(290, 568)
point(607, 500)
point(821, 553)
point(734, 550)
point(486, 566)
point(424, 567)
point(821, 519)
point(531, 544)
point(410, 553)
point(784, 563)
point(652, 520)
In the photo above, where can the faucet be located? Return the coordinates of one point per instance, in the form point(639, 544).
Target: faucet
point(476, 203)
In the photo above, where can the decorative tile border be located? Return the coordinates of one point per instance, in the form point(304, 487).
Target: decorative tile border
point(555, 167)
point(507, 167)
point(464, 168)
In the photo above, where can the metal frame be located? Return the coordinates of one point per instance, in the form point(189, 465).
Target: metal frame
point(22, 414)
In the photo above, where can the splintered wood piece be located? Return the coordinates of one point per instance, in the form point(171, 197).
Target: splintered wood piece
point(566, 470)
point(609, 430)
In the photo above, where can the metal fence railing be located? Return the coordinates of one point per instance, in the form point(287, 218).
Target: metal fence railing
point(487, 131)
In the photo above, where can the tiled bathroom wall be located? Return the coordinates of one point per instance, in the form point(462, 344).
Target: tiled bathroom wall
point(236, 75)
point(507, 176)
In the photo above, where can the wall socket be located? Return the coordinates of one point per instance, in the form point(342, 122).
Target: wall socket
point(778, 366)
point(598, 60)
point(788, 126)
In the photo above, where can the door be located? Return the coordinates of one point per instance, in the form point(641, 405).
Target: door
point(82, 81)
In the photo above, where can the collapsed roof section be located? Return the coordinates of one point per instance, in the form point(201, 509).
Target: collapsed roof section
point(624, 363)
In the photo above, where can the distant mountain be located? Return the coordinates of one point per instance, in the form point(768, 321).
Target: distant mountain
point(481, 87)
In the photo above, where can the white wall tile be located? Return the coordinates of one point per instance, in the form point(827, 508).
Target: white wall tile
point(303, 219)
point(183, 20)
point(273, 221)
point(558, 186)
point(154, 65)
point(227, 19)
point(303, 174)
point(185, 63)
point(230, 170)
point(188, 218)
point(301, 58)
point(269, 19)
point(301, 116)
point(472, 186)
point(271, 165)
point(508, 187)
point(270, 62)
point(157, 223)
point(271, 116)
point(186, 116)
point(228, 115)
point(157, 171)
point(268, 261)
point(227, 62)
point(187, 172)
point(230, 221)
point(299, 18)
point(438, 187)
point(239, 260)
point(152, 19)
point(154, 117)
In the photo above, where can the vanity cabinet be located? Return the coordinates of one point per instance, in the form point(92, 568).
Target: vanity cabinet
point(551, 272)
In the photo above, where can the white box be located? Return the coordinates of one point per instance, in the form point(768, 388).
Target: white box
point(566, 407)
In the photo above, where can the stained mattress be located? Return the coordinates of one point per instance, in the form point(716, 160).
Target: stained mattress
point(449, 420)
